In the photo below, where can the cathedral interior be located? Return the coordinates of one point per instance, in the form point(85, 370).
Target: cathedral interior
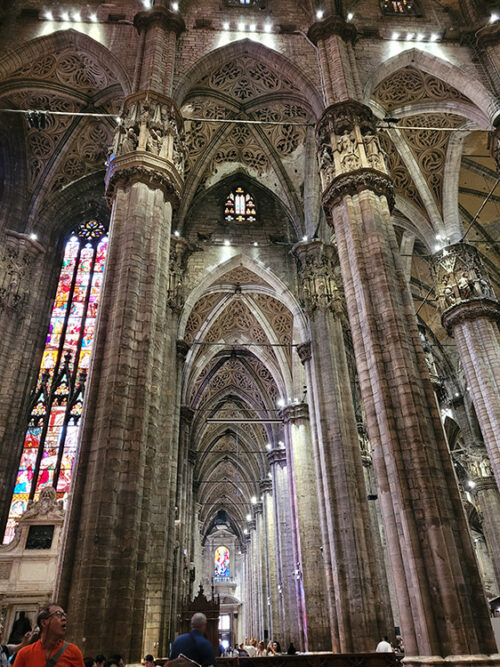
point(249, 321)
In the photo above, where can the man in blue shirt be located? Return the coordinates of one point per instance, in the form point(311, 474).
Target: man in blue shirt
point(194, 645)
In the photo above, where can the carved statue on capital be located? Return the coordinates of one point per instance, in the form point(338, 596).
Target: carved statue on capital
point(319, 284)
point(16, 267)
point(462, 279)
point(150, 137)
point(350, 155)
point(179, 253)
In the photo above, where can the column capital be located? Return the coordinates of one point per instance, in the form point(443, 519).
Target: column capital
point(484, 484)
point(252, 524)
point(170, 21)
point(319, 285)
point(350, 156)
point(463, 288)
point(258, 508)
point(332, 25)
point(489, 35)
point(277, 456)
point(149, 146)
point(294, 412)
point(304, 350)
point(265, 486)
point(192, 456)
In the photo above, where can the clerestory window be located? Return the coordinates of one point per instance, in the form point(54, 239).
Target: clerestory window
point(239, 207)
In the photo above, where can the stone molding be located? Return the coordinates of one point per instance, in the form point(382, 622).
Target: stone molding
point(187, 413)
point(470, 311)
point(277, 455)
point(137, 168)
point(476, 660)
point(304, 350)
point(192, 456)
point(343, 116)
point(495, 144)
point(484, 484)
point(251, 525)
point(258, 508)
point(349, 185)
point(332, 25)
point(170, 21)
point(294, 412)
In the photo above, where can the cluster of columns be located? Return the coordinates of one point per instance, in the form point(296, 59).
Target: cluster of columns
point(119, 553)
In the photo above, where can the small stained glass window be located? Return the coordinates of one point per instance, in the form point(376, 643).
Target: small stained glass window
point(221, 562)
point(50, 443)
point(239, 207)
point(400, 7)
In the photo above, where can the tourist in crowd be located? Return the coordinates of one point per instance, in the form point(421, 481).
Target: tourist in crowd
point(270, 650)
point(100, 660)
point(384, 646)
point(51, 645)
point(89, 662)
point(193, 644)
point(261, 649)
point(7, 650)
point(149, 661)
point(291, 650)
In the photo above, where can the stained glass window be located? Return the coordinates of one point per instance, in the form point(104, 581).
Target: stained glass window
point(221, 563)
point(49, 449)
point(400, 7)
point(239, 207)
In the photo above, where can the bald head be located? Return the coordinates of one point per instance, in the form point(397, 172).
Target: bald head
point(199, 622)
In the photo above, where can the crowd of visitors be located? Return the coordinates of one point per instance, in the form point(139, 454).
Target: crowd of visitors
point(44, 646)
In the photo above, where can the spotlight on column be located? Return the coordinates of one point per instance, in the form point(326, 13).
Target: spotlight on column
point(319, 14)
point(248, 517)
point(33, 236)
point(395, 35)
point(252, 27)
point(175, 6)
point(48, 16)
point(280, 403)
point(494, 18)
point(419, 37)
point(227, 242)
point(241, 27)
point(76, 16)
point(225, 25)
point(434, 37)
point(304, 238)
point(245, 531)
point(268, 27)
point(471, 484)
point(410, 35)
point(350, 16)
point(177, 233)
point(269, 446)
point(93, 18)
point(253, 500)
point(64, 16)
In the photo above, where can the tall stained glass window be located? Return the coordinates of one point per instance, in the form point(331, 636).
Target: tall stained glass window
point(221, 561)
point(239, 207)
point(49, 449)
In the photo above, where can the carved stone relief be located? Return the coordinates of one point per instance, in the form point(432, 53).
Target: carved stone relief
point(409, 85)
point(17, 257)
point(403, 182)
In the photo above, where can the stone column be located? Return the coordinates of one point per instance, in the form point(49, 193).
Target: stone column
point(115, 538)
point(306, 530)
point(488, 49)
point(270, 569)
point(360, 610)
point(471, 314)
point(23, 312)
point(440, 599)
point(488, 499)
point(287, 601)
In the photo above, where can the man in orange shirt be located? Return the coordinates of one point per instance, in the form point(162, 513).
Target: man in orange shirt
point(51, 649)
